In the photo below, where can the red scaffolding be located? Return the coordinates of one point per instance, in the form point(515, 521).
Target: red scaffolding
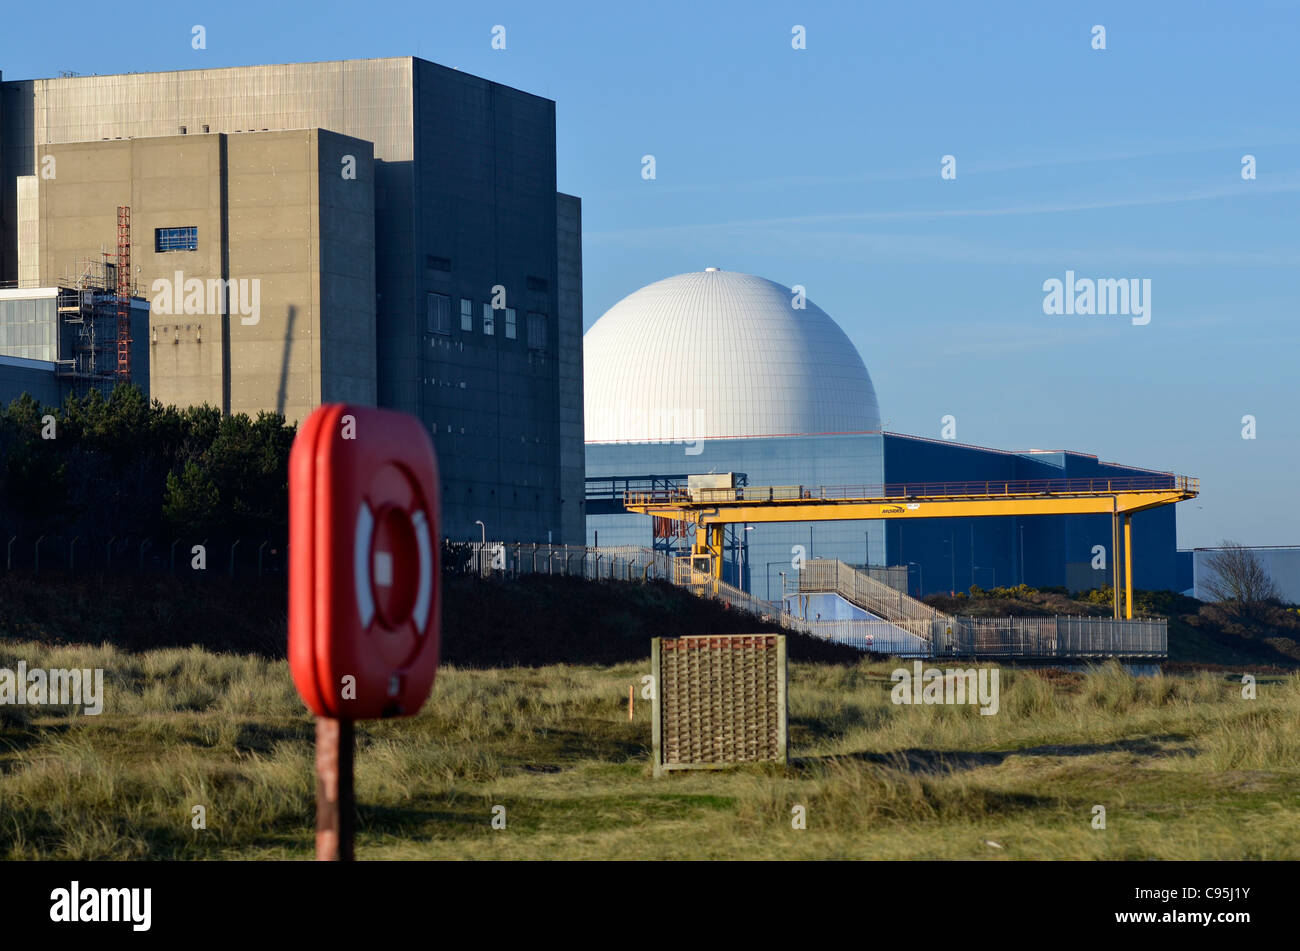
point(123, 293)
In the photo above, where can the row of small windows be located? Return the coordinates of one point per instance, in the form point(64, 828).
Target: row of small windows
point(440, 320)
point(176, 239)
point(436, 263)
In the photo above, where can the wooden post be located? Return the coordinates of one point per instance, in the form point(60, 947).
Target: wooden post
point(656, 729)
point(629, 702)
point(336, 808)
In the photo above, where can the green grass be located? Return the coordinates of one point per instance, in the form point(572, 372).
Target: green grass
point(1185, 767)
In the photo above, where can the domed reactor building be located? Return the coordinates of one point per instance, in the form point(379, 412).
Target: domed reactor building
point(722, 372)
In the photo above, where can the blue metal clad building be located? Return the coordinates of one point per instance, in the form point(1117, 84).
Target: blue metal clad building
point(40, 355)
point(19, 375)
point(765, 550)
point(1040, 551)
point(721, 372)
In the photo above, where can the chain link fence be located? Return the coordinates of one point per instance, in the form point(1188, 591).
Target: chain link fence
point(513, 559)
point(77, 555)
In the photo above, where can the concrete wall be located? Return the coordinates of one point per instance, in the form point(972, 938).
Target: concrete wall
point(367, 99)
point(29, 230)
point(307, 234)
point(464, 199)
point(345, 279)
point(573, 464)
point(485, 216)
point(8, 224)
point(167, 183)
point(275, 219)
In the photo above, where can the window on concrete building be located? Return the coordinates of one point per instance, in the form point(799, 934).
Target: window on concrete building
point(511, 332)
point(489, 320)
point(536, 331)
point(466, 314)
point(176, 239)
point(435, 263)
point(537, 283)
point(439, 314)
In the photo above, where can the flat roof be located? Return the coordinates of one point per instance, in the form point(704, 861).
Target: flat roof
point(46, 293)
point(1246, 548)
point(24, 363)
point(314, 62)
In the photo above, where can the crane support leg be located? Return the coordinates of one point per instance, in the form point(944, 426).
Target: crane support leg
point(1114, 562)
point(708, 543)
point(715, 548)
point(1128, 565)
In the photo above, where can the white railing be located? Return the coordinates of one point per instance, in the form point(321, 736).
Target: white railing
point(907, 628)
point(866, 592)
point(877, 637)
point(1063, 637)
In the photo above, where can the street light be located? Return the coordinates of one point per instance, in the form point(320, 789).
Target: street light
point(767, 577)
point(744, 554)
point(482, 547)
point(952, 561)
point(920, 578)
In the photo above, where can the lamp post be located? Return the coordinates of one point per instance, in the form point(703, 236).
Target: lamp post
point(744, 554)
point(952, 561)
point(767, 577)
point(920, 578)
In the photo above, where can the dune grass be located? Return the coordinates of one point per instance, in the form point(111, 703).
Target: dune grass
point(1185, 767)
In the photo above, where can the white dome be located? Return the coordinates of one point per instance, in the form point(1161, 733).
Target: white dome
point(717, 354)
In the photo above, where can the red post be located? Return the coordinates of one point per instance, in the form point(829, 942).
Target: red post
point(336, 809)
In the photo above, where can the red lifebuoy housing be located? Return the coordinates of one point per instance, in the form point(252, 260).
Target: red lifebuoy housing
point(363, 562)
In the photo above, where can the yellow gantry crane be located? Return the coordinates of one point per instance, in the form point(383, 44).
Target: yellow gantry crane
point(712, 501)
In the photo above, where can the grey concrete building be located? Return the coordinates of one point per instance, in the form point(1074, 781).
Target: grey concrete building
point(476, 315)
point(257, 258)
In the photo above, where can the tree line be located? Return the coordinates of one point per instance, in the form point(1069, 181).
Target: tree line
point(127, 467)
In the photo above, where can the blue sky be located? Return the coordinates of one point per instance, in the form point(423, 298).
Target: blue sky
point(821, 167)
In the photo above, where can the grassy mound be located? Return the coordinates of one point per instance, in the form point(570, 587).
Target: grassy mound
point(1184, 765)
point(536, 620)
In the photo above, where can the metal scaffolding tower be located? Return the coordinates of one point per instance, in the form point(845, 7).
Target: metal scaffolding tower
point(124, 294)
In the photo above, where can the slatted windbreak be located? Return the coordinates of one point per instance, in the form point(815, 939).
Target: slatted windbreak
point(719, 700)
